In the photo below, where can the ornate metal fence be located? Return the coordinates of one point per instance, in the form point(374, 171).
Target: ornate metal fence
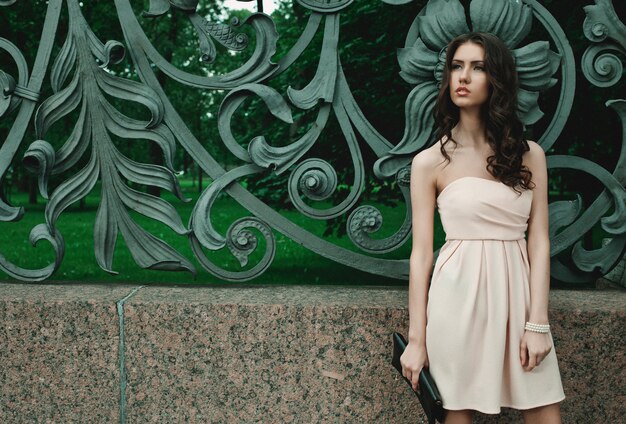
point(541, 64)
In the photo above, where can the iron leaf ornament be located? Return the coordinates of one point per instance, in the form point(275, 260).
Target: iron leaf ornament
point(98, 118)
point(422, 62)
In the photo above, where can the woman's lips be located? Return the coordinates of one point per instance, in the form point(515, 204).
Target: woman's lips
point(462, 91)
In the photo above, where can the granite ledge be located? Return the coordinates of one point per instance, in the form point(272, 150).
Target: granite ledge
point(247, 365)
point(64, 292)
point(371, 297)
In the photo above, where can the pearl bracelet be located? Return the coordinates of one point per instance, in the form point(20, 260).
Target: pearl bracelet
point(537, 328)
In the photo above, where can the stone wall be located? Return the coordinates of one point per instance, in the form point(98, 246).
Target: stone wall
point(246, 354)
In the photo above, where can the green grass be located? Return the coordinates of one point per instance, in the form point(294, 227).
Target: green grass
point(293, 264)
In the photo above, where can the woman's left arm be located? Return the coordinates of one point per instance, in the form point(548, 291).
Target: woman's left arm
point(535, 346)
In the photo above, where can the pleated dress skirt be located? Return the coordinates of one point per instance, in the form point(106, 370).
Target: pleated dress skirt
point(479, 302)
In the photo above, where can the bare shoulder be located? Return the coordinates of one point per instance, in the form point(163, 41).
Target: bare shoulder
point(425, 163)
point(535, 158)
point(535, 148)
point(423, 182)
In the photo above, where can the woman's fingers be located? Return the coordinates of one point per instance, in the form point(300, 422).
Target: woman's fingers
point(533, 349)
point(415, 381)
point(536, 358)
point(406, 373)
point(523, 354)
point(542, 355)
point(413, 360)
point(413, 377)
point(532, 361)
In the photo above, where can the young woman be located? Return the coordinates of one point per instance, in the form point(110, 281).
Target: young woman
point(481, 326)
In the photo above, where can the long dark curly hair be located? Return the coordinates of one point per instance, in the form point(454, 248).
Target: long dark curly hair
point(503, 128)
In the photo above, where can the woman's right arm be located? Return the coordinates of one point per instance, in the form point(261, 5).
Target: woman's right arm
point(423, 192)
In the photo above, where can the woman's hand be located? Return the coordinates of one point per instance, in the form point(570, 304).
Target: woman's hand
point(533, 348)
point(413, 360)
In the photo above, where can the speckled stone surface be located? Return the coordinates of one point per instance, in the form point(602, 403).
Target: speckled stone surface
point(58, 353)
point(278, 354)
point(272, 354)
point(321, 354)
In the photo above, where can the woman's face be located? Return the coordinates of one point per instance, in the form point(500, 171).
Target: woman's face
point(469, 85)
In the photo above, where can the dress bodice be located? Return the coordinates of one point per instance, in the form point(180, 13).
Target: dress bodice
point(478, 208)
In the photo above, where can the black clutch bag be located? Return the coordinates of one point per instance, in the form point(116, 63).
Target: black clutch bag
point(427, 392)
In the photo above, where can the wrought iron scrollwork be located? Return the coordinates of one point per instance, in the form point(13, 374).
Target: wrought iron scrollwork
point(206, 30)
point(30, 85)
point(313, 180)
point(365, 220)
point(602, 68)
point(81, 51)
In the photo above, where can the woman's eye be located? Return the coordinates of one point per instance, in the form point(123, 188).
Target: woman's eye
point(456, 66)
point(479, 68)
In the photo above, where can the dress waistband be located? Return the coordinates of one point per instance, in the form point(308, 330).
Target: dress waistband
point(483, 239)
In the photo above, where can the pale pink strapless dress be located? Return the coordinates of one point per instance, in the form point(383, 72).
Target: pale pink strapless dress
point(479, 301)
